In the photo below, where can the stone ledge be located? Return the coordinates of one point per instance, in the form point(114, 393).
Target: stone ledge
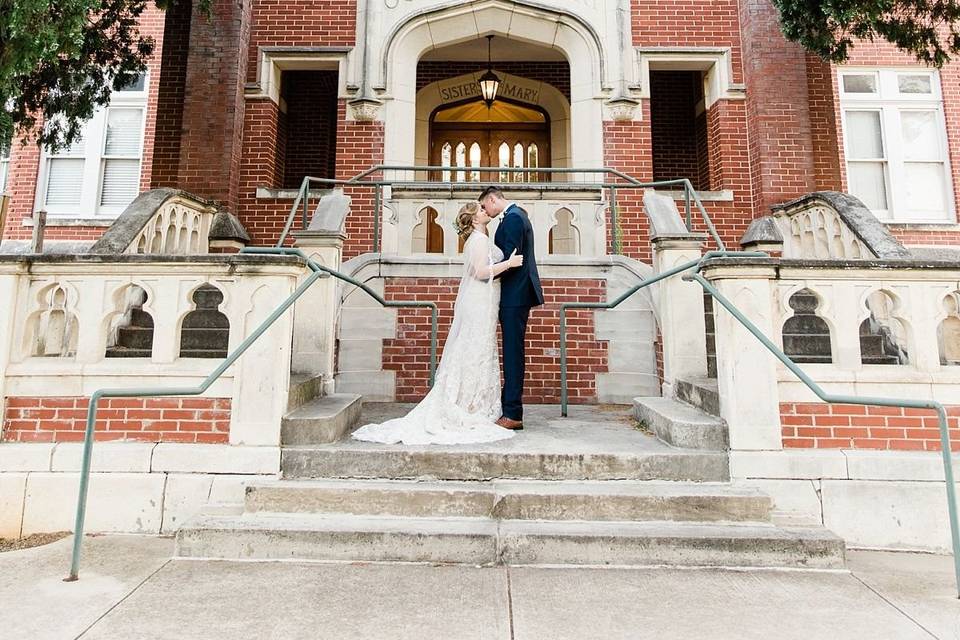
point(215, 458)
point(133, 457)
point(809, 464)
point(26, 456)
point(896, 465)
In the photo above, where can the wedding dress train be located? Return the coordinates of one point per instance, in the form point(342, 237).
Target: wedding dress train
point(465, 399)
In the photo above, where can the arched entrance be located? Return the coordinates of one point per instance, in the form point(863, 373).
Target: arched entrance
point(504, 134)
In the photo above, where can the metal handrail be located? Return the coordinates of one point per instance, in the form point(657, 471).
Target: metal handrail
point(301, 202)
point(319, 271)
point(695, 266)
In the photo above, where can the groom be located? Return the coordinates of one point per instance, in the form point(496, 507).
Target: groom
point(519, 292)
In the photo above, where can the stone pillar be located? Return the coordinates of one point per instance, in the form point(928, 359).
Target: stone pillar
point(8, 303)
point(746, 370)
point(680, 310)
point(315, 313)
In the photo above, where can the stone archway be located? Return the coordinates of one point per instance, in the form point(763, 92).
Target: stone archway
point(512, 20)
point(538, 94)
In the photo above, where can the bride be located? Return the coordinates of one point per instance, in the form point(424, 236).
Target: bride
point(465, 399)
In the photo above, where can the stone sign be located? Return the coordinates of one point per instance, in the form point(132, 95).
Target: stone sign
point(510, 87)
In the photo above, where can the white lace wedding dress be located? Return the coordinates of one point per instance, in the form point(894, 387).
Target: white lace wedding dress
point(465, 399)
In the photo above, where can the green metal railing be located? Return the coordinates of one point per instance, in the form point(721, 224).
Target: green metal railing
point(694, 266)
point(318, 271)
point(610, 179)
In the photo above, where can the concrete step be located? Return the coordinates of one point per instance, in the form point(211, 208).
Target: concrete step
point(445, 464)
point(481, 541)
point(702, 393)
point(621, 500)
point(324, 419)
point(303, 389)
point(681, 425)
point(599, 442)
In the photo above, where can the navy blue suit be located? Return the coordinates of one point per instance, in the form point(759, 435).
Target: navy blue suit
point(519, 291)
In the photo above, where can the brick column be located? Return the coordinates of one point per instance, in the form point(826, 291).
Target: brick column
point(780, 139)
point(213, 104)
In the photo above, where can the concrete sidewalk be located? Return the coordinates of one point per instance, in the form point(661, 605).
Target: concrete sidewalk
point(131, 589)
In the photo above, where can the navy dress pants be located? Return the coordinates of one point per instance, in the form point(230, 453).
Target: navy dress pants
point(513, 328)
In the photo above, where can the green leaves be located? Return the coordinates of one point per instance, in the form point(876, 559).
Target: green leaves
point(61, 59)
point(927, 29)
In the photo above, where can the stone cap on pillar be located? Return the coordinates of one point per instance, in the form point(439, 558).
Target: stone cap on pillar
point(685, 240)
point(762, 235)
point(663, 214)
point(331, 213)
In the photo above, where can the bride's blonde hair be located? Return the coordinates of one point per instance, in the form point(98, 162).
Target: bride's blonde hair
point(464, 221)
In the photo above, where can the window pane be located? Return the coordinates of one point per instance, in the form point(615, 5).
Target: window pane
point(136, 84)
point(859, 83)
point(123, 132)
point(474, 162)
point(4, 167)
point(867, 182)
point(921, 139)
point(864, 137)
point(925, 187)
point(914, 83)
point(461, 152)
point(64, 181)
point(121, 181)
point(446, 151)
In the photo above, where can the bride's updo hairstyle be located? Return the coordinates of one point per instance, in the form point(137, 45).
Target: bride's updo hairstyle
point(464, 222)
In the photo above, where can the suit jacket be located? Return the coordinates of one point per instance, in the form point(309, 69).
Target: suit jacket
point(518, 287)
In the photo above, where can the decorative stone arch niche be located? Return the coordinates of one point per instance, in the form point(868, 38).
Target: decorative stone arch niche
point(551, 28)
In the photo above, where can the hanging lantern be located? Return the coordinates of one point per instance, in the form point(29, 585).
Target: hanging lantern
point(489, 81)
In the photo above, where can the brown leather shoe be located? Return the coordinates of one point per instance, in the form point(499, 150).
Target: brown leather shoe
point(507, 423)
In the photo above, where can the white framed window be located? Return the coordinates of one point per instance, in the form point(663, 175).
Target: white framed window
point(99, 175)
point(895, 143)
point(4, 164)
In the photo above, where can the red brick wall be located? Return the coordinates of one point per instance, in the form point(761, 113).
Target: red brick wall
point(213, 102)
point(822, 426)
point(299, 23)
point(627, 147)
point(409, 353)
point(359, 147)
point(781, 147)
point(171, 81)
point(689, 23)
point(64, 419)
point(553, 73)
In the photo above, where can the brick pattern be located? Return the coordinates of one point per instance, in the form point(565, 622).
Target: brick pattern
point(409, 353)
point(64, 419)
point(780, 132)
point(822, 426)
point(359, 147)
point(828, 160)
point(275, 23)
point(213, 102)
point(171, 81)
point(689, 23)
point(554, 73)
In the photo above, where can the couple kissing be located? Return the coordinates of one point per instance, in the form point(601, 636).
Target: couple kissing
point(499, 283)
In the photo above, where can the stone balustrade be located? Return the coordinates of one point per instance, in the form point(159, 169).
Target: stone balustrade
point(418, 222)
point(80, 323)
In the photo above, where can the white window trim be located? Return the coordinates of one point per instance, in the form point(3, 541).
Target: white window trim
point(4, 167)
point(895, 161)
point(94, 157)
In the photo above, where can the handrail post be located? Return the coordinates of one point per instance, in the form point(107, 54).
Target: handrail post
point(686, 197)
point(563, 360)
point(306, 207)
point(84, 487)
point(376, 218)
point(615, 221)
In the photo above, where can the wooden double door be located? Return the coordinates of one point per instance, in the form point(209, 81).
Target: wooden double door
point(496, 144)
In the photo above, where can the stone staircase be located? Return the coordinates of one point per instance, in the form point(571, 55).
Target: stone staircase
point(596, 488)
